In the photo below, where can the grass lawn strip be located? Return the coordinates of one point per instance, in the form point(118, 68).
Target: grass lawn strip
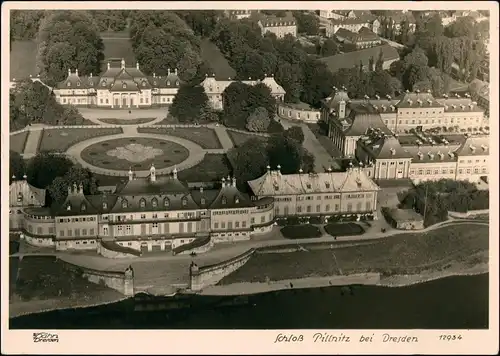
point(213, 168)
point(18, 141)
point(398, 254)
point(59, 140)
point(240, 138)
point(203, 136)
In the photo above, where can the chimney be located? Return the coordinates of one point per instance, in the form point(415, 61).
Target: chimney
point(441, 155)
point(278, 167)
point(174, 172)
point(410, 101)
point(472, 148)
point(76, 72)
point(462, 106)
point(201, 189)
point(154, 75)
point(13, 176)
point(168, 71)
point(80, 188)
point(484, 147)
point(137, 65)
point(69, 72)
point(223, 182)
point(268, 168)
point(431, 155)
point(152, 172)
point(376, 96)
point(234, 182)
point(388, 97)
point(25, 177)
point(109, 65)
point(420, 155)
point(130, 174)
point(301, 171)
point(175, 71)
point(329, 169)
point(419, 102)
point(69, 189)
point(123, 64)
point(393, 151)
point(90, 75)
point(75, 188)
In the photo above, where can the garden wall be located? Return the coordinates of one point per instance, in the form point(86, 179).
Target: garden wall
point(123, 282)
point(201, 277)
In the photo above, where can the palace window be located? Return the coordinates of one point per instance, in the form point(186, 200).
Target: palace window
point(154, 202)
point(68, 207)
point(177, 83)
point(168, 82)
point(166, 202)
point(124, 86)
point(224, 200)
point(84, 207)
point(103, 84)
point(184, 202)
point(349, 207)
point(104, 205)
point(143, 216)
point(236, 200)
point(68, 84)
point(91, 232)
point(243, 224)
point(124, 204)
point(143, 84)
point(77, 84)
point(202, 201)
point(252, 221)
point(216, 225)
point(143, 203)
point(358, 206)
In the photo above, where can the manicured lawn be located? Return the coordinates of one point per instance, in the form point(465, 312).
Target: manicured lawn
point(116, 46)
point(213, 168)
point(240, 138)
point(169, 120)
point(138, 153)
point(398, 254)
point(211, 54)
point(59, 140)
point(41, 278)
point(18, 141)
point(344, 229)
point(300, 231)
point(203, 136)
point(137, 121)
point(22, 59)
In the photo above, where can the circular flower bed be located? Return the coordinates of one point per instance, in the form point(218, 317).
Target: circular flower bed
point(139, 153)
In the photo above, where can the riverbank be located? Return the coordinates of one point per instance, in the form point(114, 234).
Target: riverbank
point(373, 279)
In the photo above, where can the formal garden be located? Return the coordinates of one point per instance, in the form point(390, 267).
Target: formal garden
point(136, 153)
point(59, 140)
point(203, 136)
point(300, 231)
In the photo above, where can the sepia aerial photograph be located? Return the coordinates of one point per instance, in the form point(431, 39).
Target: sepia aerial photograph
point(248, 169)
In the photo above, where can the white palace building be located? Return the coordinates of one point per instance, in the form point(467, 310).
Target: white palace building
point(128, 87)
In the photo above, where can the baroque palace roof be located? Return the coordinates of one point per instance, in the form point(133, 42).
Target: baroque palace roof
point(274, 183)
point(120, 79)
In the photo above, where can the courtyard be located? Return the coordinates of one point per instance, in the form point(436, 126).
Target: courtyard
point(136, 153)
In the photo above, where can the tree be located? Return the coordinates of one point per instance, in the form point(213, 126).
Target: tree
point(462, 27)
point(189, 102)
point(397, 69)
point(306, 23)
point(379, 65)
point(295, 133)
point(383, 84)
point(415, 74)
point(58, 189)
point(289, 76)
point(259, 120)
point(317, 82)
point(249, 160)
point(31, 100)
point(45, 167)
point(24, 24)
point(202, 22)
point(371, 64)
point(17, 166)
point(68, 40)
point(289, 154)
point(416, 58)
point(328, 48)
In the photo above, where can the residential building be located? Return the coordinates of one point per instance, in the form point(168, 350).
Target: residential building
point(317, 194)
point(280, 26)
point(473, 158)
point(365, 38)
point(404, 219)
point(353, 24)
point(214, 88)
point(118, 87)
point(239, 14)
point(352, 59)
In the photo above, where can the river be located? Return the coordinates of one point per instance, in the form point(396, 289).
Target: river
point(459, 302)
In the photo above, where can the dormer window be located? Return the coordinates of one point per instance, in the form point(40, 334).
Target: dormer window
point(177, 83)
point(103, 84)
point(124, 204)
point(84, 207)
point(154, 83)
point(184, 202)
point(236, 200)
point(68, 84)
point(168, 82)
point(104, 205)
point(143, 203)
point(327, 185)
point(124, 86)
point(68, 207)
point(203, 201)
point(166, 202)
point(224, 200)
point(77, 84)
point(143, 84)
point(154, 203)
point(20, 197)
point(308, 185)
